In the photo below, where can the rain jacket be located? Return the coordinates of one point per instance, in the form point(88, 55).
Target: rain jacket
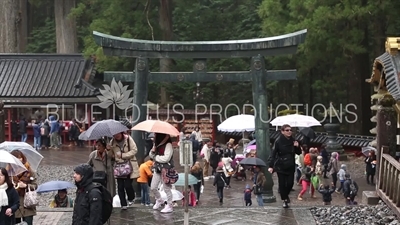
point(88, 202)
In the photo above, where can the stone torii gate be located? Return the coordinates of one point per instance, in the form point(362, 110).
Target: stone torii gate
point(199, 51)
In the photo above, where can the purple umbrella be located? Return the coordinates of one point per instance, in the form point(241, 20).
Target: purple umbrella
point(252, 147)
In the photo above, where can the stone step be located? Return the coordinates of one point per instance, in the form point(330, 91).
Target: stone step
point(370, 198)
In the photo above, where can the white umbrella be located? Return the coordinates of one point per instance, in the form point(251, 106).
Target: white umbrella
point(33, 157)
point(238, 123)
point(296, 120)
point(176, 195)
point(13, 165)
point(367, 149)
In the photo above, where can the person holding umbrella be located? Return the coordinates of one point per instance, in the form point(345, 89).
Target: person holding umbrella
point(23, 183)
point(162, 154)
point(123, 149)
point(258, 183)
point(282, 161)
point(62, 200)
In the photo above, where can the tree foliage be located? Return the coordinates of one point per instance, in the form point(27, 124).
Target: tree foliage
point(343, 39)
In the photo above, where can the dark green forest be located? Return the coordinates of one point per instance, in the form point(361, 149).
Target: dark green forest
point(344, 37)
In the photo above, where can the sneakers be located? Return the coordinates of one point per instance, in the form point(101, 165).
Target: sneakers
point(131, 202)
point(167, 209)
point(124, 207)
point(285, 204)
point(158, 204)
point(148, 205)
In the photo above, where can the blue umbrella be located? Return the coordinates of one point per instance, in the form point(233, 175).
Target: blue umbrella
point(181, 180)
point(54, 186)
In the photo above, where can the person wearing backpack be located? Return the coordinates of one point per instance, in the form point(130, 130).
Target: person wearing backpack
point(89, 201)
point(350, 188)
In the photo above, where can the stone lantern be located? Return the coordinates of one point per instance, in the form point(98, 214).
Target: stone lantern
point(332, 127)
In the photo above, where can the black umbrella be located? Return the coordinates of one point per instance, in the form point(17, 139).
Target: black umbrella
point(251, 161)
point(308, 132)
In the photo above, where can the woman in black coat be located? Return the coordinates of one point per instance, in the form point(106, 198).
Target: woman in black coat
point(9, 199)
point(370, 167)
point(282, 162)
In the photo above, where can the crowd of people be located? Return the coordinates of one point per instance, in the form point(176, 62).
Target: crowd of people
point(310, 168)
point(114, 165)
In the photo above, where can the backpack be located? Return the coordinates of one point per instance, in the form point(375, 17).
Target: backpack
point(107, 201)
point(307, 160)
point(353, 189)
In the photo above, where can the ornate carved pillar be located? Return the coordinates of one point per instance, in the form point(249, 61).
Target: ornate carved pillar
point(386, 125)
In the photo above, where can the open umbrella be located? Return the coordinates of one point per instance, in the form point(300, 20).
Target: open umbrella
point(181, 180)
point(308, 132)
point(33, 157)
point(367, 149)
point(13, 165)
point(54, 186)
point(156, 126)
point(104, 128)
point(295, 120)
point(238, 123)
point(251, 161)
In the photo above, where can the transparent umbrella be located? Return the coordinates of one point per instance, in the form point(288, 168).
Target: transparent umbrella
point(33, 157)
point(13, 165)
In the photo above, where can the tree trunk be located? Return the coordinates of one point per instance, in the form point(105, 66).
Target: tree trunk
point(358, 89)
point(23, 25)
point(9, 21)
point(165, 21)
point(67, 41)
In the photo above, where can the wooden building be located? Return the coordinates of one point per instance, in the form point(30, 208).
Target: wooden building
point(39, 85)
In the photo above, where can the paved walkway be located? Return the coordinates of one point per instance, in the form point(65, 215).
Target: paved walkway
point(198, 216)
point(208, 212)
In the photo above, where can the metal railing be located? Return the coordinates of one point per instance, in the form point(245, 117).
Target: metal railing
point(388, 187)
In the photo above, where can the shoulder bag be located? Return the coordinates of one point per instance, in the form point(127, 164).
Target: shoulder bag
point(123, 169)
point(30, 198)
point(100, 176)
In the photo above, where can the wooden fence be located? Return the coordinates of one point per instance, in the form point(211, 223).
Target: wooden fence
point(388, 187)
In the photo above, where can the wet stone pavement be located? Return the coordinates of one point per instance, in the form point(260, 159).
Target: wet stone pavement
point(208, 211)
point(198, 216)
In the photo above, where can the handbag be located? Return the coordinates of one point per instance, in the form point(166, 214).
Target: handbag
point(30, 199)
point(123, 169)
point(229, 172)
point(100, 176)
point(258, 190)
point(169, 176)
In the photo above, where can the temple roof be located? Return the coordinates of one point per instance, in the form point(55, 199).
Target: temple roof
point(31, 78)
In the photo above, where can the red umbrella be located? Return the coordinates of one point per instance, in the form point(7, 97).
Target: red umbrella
point(156, 126)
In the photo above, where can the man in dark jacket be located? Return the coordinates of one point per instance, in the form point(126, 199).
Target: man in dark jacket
point(88, 202)
point(22, 129)
point(350, 189)
point(283, 163)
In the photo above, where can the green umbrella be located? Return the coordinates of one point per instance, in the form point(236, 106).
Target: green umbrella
point(181, 180)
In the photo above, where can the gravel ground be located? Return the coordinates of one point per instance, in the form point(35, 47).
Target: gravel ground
point(355, 215)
